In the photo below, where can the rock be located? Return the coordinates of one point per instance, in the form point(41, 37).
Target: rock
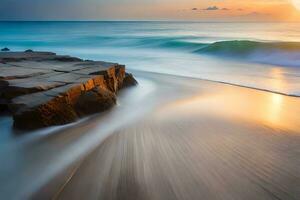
point(129, 80)
point(95, 100)
point(5, 49)
point(29, 51)
point(56, 111)
point(66, 59)
point(42, 89)
point(3, 106)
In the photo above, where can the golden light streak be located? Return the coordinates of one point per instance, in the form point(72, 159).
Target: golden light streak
point(239, 104)
point(296, 4)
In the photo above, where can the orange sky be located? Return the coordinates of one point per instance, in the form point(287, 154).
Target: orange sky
point(236, 10)
point(205, 10)
point(231, 10)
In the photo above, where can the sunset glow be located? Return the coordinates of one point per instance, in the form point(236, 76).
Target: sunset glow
point(227, 10)
point(296, 4)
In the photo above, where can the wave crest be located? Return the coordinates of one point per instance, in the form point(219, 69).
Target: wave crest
point(277, 53)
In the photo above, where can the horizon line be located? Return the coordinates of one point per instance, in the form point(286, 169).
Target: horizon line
point(195, 21)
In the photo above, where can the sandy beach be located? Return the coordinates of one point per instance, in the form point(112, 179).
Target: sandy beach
point(179, 138)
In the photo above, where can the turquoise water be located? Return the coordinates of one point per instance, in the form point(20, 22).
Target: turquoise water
point(260, 55)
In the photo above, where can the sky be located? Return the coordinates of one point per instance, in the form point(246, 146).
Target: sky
point(200, 10)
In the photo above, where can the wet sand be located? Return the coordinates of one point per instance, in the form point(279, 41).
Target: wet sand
point(196, 140)
point(223, 142)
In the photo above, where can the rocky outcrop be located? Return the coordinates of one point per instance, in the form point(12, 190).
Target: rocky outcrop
point(5, 49)
point(42, 89)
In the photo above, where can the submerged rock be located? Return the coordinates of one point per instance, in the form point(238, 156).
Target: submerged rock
point(5, 49)
point(42, 89)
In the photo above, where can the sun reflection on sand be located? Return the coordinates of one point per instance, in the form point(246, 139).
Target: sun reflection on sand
point(277, 81)
point(275, 107)
point(276, 100)
point(239, 104)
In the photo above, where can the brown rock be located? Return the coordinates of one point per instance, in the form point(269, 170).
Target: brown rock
point(129, 80)
point(95, 100)
point(43, 89)
point(55, 112)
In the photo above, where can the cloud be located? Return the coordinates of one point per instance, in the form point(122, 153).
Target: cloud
point(194, 9)
point(211, 8)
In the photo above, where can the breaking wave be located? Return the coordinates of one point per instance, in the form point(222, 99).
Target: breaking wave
point(276, 53)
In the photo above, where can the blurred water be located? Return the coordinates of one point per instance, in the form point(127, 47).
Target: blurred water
point(267, 58)
point(29, 160)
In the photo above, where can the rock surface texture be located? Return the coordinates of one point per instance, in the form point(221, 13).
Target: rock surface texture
point(42, 89)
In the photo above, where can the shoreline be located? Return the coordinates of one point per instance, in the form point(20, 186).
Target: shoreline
point(220, 82)
point(175, 98)
point(171, 128)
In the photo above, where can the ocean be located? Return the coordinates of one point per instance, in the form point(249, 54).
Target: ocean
point(174, 137)
point(260, 55)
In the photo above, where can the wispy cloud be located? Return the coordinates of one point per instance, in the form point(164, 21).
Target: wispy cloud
point(212, 8)
point(215, 8)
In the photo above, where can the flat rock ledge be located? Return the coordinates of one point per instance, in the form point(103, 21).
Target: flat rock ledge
point(42, 89)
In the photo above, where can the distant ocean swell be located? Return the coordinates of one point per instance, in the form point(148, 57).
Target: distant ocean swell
point(276, 53)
